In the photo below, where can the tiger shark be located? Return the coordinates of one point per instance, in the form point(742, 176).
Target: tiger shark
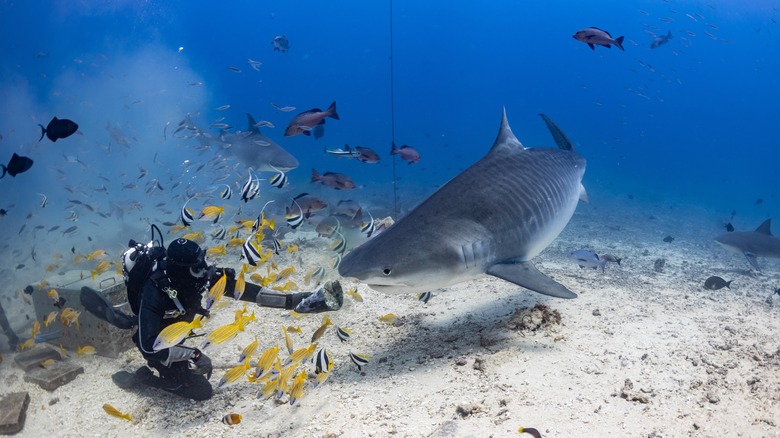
point(491, 219)
point(753, 244)
point(254, 149)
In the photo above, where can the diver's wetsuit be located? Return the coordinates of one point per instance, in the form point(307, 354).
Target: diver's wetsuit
point(157, 311)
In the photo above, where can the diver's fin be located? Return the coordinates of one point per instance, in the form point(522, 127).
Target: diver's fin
point(191, 386)
point(525, 274)
point(97, 305)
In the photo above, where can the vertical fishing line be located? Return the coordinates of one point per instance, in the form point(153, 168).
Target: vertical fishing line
point(392, 114)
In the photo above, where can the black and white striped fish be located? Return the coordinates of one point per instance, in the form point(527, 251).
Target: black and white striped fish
point(360, 360)
point(340, 244)
point(294, 220)
point(250, 189)
point(250, 251)
point(425, 296)
point(279, 180)
point(321, 361)
point(343, 334)
point(186, 214)
point(336, 261)
point(219, 233)
point(226, 193)
point(277, 245)
point(368, 228)
point(44, 201)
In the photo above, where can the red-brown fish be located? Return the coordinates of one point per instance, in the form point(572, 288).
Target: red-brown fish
point(337, 181)
point(593, 36)
point(304, 122)
point(408, 153)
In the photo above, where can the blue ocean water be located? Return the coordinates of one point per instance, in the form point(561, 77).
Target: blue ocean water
point(689, 124)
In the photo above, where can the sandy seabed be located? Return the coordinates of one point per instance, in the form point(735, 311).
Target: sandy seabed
point(642, 352)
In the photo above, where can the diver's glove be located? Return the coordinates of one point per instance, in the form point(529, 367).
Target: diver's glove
point(216, 273)
point(328, 297)
point(201, 364)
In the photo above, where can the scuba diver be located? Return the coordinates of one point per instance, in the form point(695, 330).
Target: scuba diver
point(172, 283)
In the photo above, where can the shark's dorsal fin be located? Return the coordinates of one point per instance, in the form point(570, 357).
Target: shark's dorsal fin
point(764, 228)
point(559, 136)
point(506, 139)
point(251, 124)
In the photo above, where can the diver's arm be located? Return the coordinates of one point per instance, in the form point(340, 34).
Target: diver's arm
point(150, 316)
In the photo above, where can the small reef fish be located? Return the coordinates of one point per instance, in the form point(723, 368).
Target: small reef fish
point(360, 360)
point(530, 431)
point(407, 153)
point(231, 419)
point(248, 351)
point(593, 36)
point(715, 283)
point(238, 290)
point(296, 392)
point(50, 318)
point(320, 331)
point(186, 215)
point(100, 268)
point(288, 341)
point(587, 259)
point(114, 412)
point(668, 239)
point(223, 333)
point(304, 122)
point(211, 212)
point(343, 334)
point(174, 333)
point(97, 254)
point(425, 297)
point(216, 292)
point(55, 297)
point(353, 293)
point(322, 361)
point(389, 318)
point(217, 251)
point(86, 350)
point(69, 317)
point(266, 361)
point(281, 44)
point(232, 375)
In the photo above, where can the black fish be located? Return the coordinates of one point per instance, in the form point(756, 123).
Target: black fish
point(759, 201)
point(715, 283)
point(3, 212)
point(668, 239)
point(729, 227)
point(58, 128)
point(20, 266)
point(17, 165)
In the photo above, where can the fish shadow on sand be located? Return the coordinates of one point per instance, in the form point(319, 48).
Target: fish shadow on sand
point(468, 332)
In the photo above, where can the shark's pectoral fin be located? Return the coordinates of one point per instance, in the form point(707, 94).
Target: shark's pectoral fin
point(751, 258)
point(525, 274)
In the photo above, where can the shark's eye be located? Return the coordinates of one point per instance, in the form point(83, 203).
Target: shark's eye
point(387, 271)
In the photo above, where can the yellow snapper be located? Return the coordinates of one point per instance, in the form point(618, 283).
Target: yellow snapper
point(240, 283)
point(232, 375)
point(266, 361)
point(285, 376)
point(353, 293)
point(217, 251)
point(216, 292)
point(35, 328)
point(296, 393)
point(288, 341)
point(97, 254)
point(114, 412)
point(223, 333)
point(50, 318)
point(248, 351)
point(86, 350)
point(389, 318)
point(301, 354)
point(320, 331)
point(174, 333)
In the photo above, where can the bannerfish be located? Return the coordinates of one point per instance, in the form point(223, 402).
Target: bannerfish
point(593, 36)
point(661, 40)
point(304, 122)
point(58, 128)
point(587, 259)
point(281, 44)
point(16, 165)
point(715, 283)
point(407, 153)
